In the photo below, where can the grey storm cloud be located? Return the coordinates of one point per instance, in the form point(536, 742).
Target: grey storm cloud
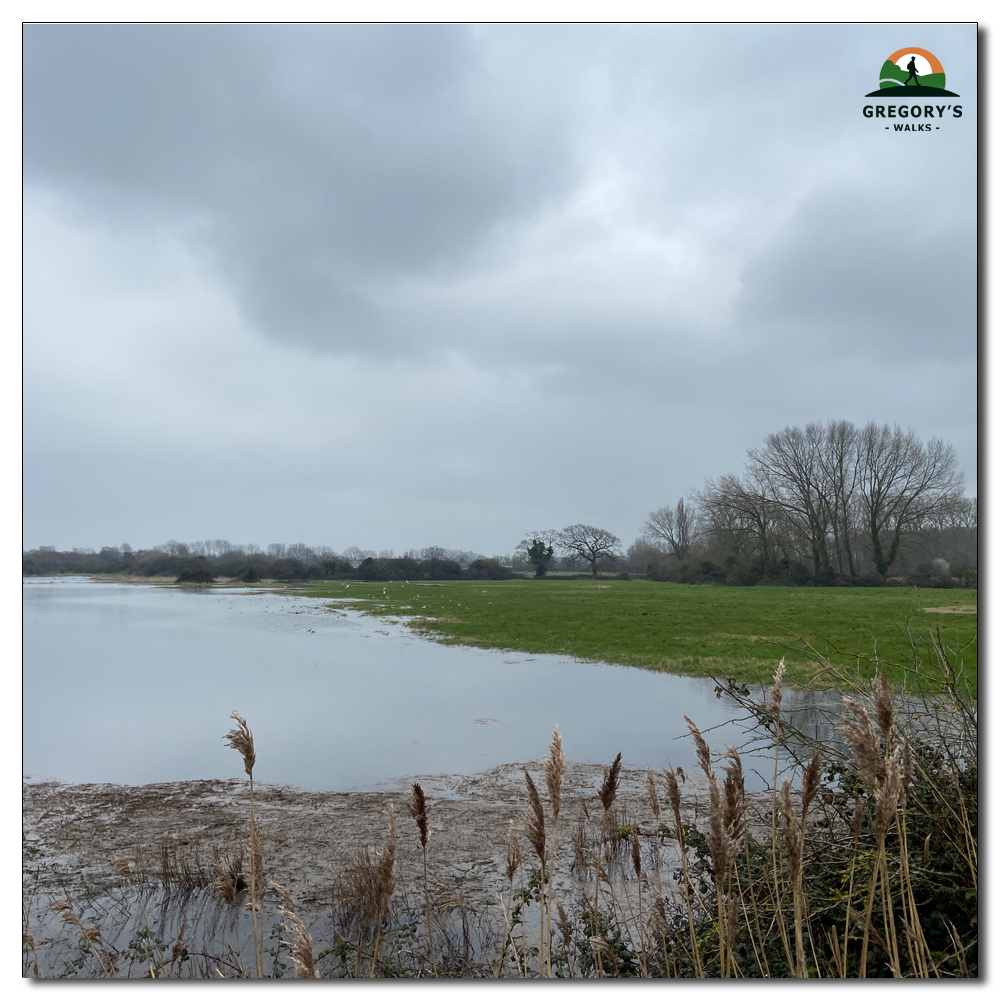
point(420, 283)
point(314, 165)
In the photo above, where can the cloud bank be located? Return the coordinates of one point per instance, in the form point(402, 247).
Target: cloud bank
point(406, 285)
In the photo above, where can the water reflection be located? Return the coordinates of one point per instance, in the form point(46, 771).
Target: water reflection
point(134, 684)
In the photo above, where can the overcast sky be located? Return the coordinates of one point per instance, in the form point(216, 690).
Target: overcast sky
point(399, 286)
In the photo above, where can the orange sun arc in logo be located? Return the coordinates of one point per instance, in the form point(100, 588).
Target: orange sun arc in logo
point(936, 66)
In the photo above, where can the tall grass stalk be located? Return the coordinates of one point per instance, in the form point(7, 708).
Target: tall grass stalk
point(674, 799)
point(240, 739)
point(555, 769)
point(417, 806)
point(606, 795)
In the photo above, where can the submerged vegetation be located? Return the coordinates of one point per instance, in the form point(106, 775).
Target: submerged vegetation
point(702, 631)
point(859, 861)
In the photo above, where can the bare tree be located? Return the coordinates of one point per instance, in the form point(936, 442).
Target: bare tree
point(791, 471)
point(741, 518)
point(643, 553)
point(903, 485)
point(839, 458)
point(673, 526)
point(356, 556)
point(585, 543)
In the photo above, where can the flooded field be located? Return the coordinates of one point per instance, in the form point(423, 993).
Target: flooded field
point(134, 684)
point(136, 859)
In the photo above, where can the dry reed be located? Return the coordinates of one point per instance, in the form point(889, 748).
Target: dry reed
point(240, 739)
point(301, 945)
point(417, 807)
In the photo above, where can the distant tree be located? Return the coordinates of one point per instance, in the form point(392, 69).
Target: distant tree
point(903, 484)
point(585, 543)
point(548, 538)
point(540, 555)
point(642, 554)
point(196, 570)
point(356, 556)
point(673, 526)
point(487, 569)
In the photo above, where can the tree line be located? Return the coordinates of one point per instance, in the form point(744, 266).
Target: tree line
point(204, 562)
point(825, 504)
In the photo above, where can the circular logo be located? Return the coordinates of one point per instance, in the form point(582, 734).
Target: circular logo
point(915, 72)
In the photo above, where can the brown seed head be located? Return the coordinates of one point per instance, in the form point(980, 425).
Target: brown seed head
point(776, 686)
point(178, 949)
point(885, 714)
point(810, 782)
point(609, 789)
point(565, 928)
point(514, 855)
point(659, 918)
point(121, 867)
point(790, 828)
point(673, 791)
point(636, 855)
point(863, 739)
point(416, 804)
point(534, 819)
point(654, 799)
point(301, 945)
point(606, 952)
point(64, 909)
point(735, 806)
point(555, 768)
point(718, 836)
point(888, 795)
point(907, 767)
point(701, 748)
point(241, 740)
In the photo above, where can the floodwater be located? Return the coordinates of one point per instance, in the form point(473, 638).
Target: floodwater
point(134, 684)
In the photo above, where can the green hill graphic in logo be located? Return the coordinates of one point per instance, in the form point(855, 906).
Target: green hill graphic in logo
point(913, 72)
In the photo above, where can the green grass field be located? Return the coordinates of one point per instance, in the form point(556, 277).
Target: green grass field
point(738, 632)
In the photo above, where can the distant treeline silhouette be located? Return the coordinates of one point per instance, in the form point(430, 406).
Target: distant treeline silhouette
point(203, 562)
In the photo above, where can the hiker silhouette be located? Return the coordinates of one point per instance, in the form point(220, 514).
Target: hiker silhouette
point(911, 66)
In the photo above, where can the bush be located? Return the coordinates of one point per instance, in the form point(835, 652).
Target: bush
point(196, 571)
point(966, 575)
point(488, 569)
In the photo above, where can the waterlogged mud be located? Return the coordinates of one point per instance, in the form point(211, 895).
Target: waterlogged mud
point(74, 833)
point(78, 838)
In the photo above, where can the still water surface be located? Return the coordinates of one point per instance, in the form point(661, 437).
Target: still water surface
point(134, 684)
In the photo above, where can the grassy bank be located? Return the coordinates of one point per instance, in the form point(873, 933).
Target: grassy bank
point(700, 631)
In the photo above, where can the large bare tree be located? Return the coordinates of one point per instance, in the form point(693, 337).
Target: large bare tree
point(903, 485)
point(790, 469)
point(675, 526)
point(839, 458)
point(585, 543)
